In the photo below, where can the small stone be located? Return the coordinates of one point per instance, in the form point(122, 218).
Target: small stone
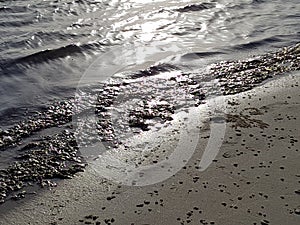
point(110, 198)
point(95, 217)
point(264, 222)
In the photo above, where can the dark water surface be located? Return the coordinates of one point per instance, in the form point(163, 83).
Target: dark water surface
point(46, 46)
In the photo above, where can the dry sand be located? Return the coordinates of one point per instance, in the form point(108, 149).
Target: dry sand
point(255, 178)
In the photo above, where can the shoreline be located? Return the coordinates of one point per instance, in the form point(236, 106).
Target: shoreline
point(45, 147)
point(254, 178)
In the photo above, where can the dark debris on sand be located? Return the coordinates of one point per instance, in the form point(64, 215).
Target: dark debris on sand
point(239, 76)
point(51, 157)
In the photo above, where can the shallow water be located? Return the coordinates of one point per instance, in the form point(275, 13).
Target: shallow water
point(47, 45)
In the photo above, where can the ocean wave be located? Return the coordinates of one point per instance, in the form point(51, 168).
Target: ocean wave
point(196, 7)
point(49, 54)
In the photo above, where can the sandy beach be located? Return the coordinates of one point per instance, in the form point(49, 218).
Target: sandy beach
point(255, 178)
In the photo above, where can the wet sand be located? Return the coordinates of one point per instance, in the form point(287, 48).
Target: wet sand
point(255, 178)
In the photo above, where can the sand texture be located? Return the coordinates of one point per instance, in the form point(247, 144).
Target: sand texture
point(254, 179)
